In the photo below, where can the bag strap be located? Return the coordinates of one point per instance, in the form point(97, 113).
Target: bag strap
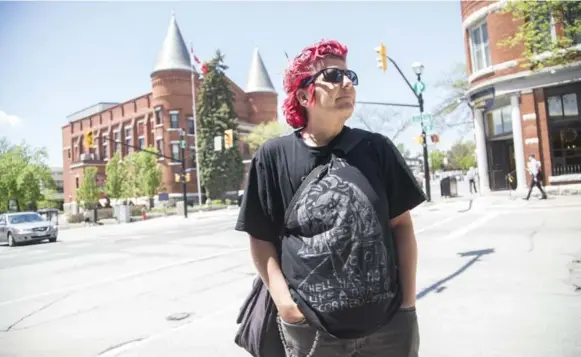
point(347, 142)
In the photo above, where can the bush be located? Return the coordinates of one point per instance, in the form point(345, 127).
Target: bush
point(136, 210)
point(228, 202)
point(76, 218)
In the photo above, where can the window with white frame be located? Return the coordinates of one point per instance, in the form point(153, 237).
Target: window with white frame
point(141, 142)
point(158, 116)
point(191, 129)
point(174, 118)
point(480, 47)
point(105, 153)
point(175, 152)
point(159, 145)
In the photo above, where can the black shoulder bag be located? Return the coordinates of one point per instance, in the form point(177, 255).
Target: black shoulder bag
point(258, 332)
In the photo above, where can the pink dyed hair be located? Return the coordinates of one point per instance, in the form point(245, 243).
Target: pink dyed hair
point(301, 68)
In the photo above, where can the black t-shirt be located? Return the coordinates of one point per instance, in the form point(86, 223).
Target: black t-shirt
point(337, 264)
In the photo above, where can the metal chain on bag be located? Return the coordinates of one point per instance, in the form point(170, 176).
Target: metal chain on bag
point(287, 348)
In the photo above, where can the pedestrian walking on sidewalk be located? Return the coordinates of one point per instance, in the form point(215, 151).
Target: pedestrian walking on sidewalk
point(534, 167)
point(471, 176)
point(327, 209)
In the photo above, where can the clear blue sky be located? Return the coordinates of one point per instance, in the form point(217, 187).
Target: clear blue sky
point(60, 57)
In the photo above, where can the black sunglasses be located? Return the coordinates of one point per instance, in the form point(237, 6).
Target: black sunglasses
point(332, 75)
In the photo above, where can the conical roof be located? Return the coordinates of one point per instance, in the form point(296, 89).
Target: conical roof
point(258, 78)
point(174, 52)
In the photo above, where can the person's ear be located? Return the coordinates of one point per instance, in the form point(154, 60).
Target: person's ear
point(302, 96)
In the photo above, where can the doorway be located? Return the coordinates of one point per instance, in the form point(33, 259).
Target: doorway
point(501, 163)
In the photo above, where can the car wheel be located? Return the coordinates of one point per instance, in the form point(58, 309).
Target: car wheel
point(52, 240)
point(11, 241)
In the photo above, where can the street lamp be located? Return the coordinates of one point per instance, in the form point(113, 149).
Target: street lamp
point(418, 69)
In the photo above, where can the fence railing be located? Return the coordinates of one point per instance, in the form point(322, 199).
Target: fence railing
point(566, 169)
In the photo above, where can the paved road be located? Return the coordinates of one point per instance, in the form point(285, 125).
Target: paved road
point(493, 281)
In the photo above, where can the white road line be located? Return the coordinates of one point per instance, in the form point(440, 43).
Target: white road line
point(475, 224)
point(121, 277)
point(437, 224)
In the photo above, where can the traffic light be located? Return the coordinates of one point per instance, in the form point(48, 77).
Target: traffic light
point(420, 139)
point(382, 59)
point(435, 138)
point(228, 138)
point(89, 139)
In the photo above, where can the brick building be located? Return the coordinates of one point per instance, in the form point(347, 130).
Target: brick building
point(517, 111)
point(144, 121)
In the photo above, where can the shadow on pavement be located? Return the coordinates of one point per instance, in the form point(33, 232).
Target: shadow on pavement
point(439, 285)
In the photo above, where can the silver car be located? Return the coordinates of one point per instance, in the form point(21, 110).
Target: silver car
point(26, 227)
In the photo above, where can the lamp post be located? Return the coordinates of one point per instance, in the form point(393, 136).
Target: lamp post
point(418, 69)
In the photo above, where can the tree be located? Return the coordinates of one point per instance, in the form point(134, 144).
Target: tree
point(383, 121)
point(222, 170)
point(461, 155)
point(536, 20)
point(264, 132)
point(149, 173)
point(453, 110)
point(24, 175)
point(116, 176)
point(88, 193)
point(403, 151)
point(437, 159)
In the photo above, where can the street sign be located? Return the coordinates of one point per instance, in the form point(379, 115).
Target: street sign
point(217, 143)
point(422, 117)
point(183, 144)
point(428, 126)
point(419, 87)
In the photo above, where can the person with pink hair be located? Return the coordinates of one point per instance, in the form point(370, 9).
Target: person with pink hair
point(327, 209)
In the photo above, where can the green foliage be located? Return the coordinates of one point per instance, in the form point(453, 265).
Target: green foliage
point(437, 159)
point(88, 193)
point(24, 174)
point(402, 149)
point(461, 155)
point(148, 172)
point(264, 132)
point(535, 30)
point(223, 170)
point(116, 174)
point(138, 174)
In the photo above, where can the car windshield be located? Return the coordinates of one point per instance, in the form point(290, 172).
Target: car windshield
point(24, 218)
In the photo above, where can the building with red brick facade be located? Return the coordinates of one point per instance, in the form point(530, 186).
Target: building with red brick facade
point(518, 111)
point(144, 120)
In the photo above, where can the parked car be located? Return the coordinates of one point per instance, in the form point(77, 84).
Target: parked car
point(26, 227)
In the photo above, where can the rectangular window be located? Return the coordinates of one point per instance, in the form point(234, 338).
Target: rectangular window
point(140, 129)
point(159, 146)
point(191, 129)
point(499, 121)
point(175, 152)
point(128, 148)
point(105, 153)
point(564, 123)
point(158, 116)
point(116, 139)
point(174, 118)
point(77, 182)
point(141, 142)
point(480, 47)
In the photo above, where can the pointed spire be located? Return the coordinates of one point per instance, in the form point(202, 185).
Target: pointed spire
point(258, 78)
point(173, 53)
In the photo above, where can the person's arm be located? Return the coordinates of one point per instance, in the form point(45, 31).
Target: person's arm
point(266, 262)
point(403, 194)
point(407, 251)
point(259, 207)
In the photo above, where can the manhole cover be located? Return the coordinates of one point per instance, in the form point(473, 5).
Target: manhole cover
point(178, 316)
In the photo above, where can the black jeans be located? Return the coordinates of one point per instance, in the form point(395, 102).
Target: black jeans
point(535, 182)
point(399, 338)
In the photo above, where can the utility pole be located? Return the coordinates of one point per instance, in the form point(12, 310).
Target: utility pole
point(184, 184)
point(418, 90)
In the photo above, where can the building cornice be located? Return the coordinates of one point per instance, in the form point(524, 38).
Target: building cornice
point(529, 79)
point(481, 14)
